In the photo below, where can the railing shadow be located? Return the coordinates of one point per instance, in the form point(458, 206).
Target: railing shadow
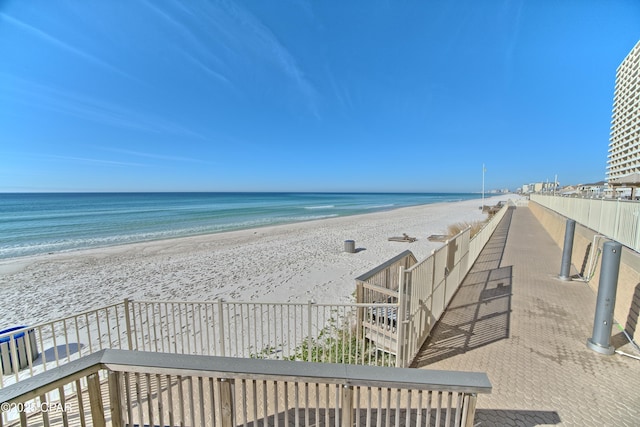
point(508, 417)
point(585, 260)
point(621, 339)
point(632, 318)
point(62, 351)
point(479, 313)
point(374, 417)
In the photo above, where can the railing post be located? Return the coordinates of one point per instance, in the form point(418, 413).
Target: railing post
point(565, 267)
point(115, 398)
point(309, 330)
point(95, 400)
point(400, 363)
point(360, 310)
point(221, 327)
point(636, 243)
point(469, 411)
point(225, 405)
point(127, 319)
point(606, 300)
point(347, 406)
point(616, 222)
point(602, 209)
point(45, 414)
point(13, 349)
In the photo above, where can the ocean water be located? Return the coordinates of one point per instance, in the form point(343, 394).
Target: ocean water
point(52, 222)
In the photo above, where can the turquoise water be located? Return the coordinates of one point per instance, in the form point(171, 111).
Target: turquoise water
point(42, 223)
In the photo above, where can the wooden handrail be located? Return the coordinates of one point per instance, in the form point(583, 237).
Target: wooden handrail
point(240, 368)
point(387, 264)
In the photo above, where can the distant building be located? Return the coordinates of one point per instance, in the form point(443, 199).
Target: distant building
point(623, 164)
point(569, 190)
point(596, 189)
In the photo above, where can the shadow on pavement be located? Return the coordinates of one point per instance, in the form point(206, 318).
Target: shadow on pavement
point(480, 311)
point(507, 417)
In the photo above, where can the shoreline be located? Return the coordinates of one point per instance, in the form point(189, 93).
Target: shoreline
point(286, 263)
point(139, 227)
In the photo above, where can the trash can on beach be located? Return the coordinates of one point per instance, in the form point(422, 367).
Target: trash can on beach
point(21, 340)
point(350, 246)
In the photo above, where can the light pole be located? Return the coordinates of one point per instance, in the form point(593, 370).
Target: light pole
point(483, 171)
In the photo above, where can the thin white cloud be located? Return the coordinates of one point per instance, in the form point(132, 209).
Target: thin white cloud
point(62, 45)
point(205, 68)
point(264, 40)
point(69, 103)
point(193, 42)
point(91, 161)
point(155, 156)
point(238, 32)
point(340, 92)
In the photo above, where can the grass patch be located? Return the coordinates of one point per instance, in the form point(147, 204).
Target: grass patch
point(341, 345)
point(334, 344)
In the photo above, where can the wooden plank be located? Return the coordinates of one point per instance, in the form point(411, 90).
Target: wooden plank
point(95, 400)
point(347, 406)
point(44, 382)
point(372, 330)
point(396, 259)
point(115, 398)
point(469, 411)
point(226, 403)
point(261, 369)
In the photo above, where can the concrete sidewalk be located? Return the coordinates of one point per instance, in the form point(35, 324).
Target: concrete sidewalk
point(513, 319)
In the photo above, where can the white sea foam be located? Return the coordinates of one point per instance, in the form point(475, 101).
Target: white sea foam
point(35, 224)
point(320, 207)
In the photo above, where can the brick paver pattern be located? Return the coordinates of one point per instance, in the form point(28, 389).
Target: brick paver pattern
point(515, 320)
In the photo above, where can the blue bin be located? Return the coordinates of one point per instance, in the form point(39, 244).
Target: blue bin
point(20, 339)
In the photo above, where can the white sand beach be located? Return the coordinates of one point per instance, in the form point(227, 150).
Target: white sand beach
point(285, 263)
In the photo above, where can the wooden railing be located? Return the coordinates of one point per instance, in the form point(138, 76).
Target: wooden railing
point(139, 388)
point(428, 288)
point(421, 291)
point(385, 276)
point(479, 241)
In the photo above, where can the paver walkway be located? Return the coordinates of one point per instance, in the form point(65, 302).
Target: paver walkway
point(513, 319)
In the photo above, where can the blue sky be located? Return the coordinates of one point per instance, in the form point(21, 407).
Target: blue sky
point(296, 95)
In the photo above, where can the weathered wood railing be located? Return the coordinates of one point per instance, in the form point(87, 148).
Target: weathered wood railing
point(385, 276)
point(165, 389)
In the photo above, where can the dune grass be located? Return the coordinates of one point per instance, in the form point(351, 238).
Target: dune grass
point(458, 227)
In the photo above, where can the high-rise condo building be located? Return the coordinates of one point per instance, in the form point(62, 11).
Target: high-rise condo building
point(623, 164)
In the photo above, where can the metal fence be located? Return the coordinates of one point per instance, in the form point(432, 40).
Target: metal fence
point(287, 331)
point(26, 351)
point(163, 389)
point(619, 220)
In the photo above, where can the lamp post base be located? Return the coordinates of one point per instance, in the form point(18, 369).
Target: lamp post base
point(608, 351)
